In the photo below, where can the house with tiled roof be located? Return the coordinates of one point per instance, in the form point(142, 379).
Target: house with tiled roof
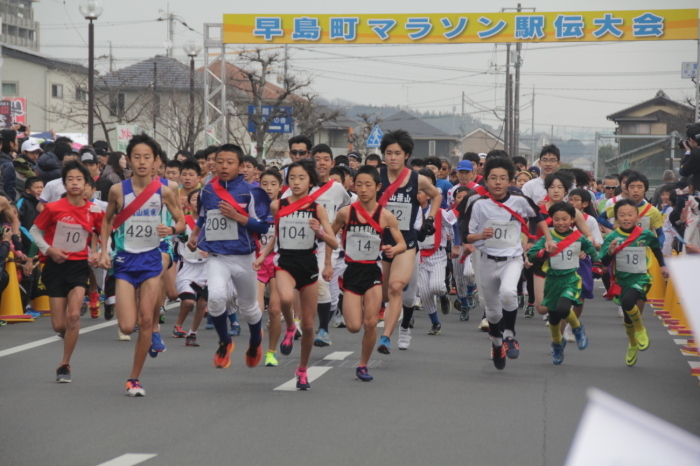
point(429, 140)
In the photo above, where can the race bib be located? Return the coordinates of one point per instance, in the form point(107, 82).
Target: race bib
point(362, 246)
point(632, 260)
point(505, 234)
point(567, 259)
point(70, 237)
point(644, 223)
point(429, 242)
point(267, 237)
point(141, 232)
point(295, 233)
point(219, 227)
point(402, 212)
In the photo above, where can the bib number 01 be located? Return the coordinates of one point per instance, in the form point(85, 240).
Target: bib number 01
point(505, 234)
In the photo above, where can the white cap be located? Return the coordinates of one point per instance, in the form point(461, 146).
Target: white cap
point(482, 155)
point(30, 145)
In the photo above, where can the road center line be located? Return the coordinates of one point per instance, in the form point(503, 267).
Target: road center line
point(129, 459)
point(313, 373)
point(46, 341)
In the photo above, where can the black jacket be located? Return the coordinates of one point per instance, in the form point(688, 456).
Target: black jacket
point(9, 177)
point(48, 167)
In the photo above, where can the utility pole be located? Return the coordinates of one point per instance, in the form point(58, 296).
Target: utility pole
point(111, 57)
point(507, 122)
point(155, 96)
point(516, 104)
point(532, 128)
point(286, 58)
point(463, 125)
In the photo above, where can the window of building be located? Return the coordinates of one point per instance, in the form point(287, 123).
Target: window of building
point(431, 148)
point(117, 104)
point(80, 94)
point(57, 91)
point(636, 128)
point(10, 89)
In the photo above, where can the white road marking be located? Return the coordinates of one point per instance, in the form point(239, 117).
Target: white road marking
point(129, 459)
point(680, 341)
point(380, 324)
point(313, 373)
point(46, 341)
point(337, 356)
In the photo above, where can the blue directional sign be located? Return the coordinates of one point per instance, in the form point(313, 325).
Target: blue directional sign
point(282, 123)
point(375, 137)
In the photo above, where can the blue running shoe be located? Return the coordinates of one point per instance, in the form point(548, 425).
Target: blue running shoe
point(581, 337)
point(362, 374)
point(235, 329)
point(384, 345)
point(471, 301)
point(557, 353)
point(210, 323)
point(322, 338)
point(157, 345)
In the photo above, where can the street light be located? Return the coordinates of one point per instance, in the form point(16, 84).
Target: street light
point(91, 10)
point(192, 48)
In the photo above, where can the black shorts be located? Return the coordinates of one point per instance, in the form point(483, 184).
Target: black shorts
point(359, 278)
point(199, 293)
point(303, 268)
point(537, 269)
point(60, 279)
point(410, 237)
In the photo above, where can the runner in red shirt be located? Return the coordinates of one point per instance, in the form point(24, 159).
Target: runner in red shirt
point(63, 231)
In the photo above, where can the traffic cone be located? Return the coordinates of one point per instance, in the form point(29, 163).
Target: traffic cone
point(11, 309)
point(42, 305)
point(658, 285)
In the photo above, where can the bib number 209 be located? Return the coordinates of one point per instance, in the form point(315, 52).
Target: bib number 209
point(220, 228)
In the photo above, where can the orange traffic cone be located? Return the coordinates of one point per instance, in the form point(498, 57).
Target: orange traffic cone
point(42, 303)
point(658, 285)
point(11, 309)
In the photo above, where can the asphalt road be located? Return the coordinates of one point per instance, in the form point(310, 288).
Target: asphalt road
point(440, 402)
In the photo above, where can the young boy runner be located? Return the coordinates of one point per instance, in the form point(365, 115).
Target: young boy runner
point(465, 175)
point(232, 214)
point(138, 203)
point(630, 248)
point(62, 232)
point(495, 224)
point(398, 192)
point(189, 181)
point(363, 224)
point(463, 271)
point(562, 287)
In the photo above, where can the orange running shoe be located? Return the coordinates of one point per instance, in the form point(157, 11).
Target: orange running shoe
point(382, 310)
point(94, 304)
point(254, 355)
point(222, 357)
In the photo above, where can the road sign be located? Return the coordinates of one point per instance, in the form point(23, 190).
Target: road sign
point(689, 70)
point(375, 137)
point(281, 123)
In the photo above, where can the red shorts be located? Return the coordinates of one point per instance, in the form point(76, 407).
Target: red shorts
point(267, 269)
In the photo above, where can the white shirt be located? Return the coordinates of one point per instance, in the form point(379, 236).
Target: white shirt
point(534, 189)
point(487, 214)
point(53, 191)
point(334, 199)
point(448, 221)
point(595, 229)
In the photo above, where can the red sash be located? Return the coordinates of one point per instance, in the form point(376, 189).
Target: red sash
point(364, 214)
point(438, 237)
point(615, 289)
point(646, 209)
point(190, 222)
point(226, 196)
point(482, 191)
point(568, 241)
point(304, 201)
point(137, 203)
point(523, 224)
point(393, 187)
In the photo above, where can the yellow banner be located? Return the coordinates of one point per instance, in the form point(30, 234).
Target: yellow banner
point(439, 28)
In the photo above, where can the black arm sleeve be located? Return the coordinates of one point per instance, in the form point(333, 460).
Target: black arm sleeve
point(606, 259)
point(659, 256)
point(4, 251)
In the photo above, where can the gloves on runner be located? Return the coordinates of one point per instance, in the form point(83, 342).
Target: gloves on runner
point(598, 270)
point(428, 228)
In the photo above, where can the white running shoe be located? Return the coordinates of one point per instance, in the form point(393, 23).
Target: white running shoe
point(338, 321)
point(122, 337)
point(484, 325)
point(620, 312)
point(569, 334)
point(404, 338)
point(545, 317)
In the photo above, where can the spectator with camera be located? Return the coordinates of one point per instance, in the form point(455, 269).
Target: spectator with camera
point(690, 165)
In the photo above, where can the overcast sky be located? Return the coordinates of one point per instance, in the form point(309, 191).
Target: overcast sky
point(628, 72)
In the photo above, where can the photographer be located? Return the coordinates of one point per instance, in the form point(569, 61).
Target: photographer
point(690, 165)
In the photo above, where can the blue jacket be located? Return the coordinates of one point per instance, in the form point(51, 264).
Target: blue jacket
point(253, 199)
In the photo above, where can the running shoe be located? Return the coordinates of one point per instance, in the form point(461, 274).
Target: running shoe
point(338, 321)
point(620, 312)
point(384, 345)
point(521, 301)
point(568, 334)
point(253, 356)
point(3, 322)
point(297, 334)
point(457, 304)
point(512, 347)
point(546, 318)
point(435, 330)
point(235, 329)
point(157, 345)
point(161, 319)
point(484, 325)
point(404, 338)
point(302, 380)
point(445, 304)
point(322, 339)
point(411, 322)
point(134, 388)
point(61, 335)
point(94, 304)
point(63, 374)
point(530, 311)
point(382, 311)
point(557, 353)
point(191, 340)
point(362, 374)
point(631, 356)
point(471, 300)
point(581, 337)
point(30, 312)
point(84, 309)
point(288, 341)
point(498, 354)
point(464, 315)
point(222, 357)
point(178, 332)
point(642, 339)
point(210, 324)
point(122, 337)
point(270, 359)
point(109, 311)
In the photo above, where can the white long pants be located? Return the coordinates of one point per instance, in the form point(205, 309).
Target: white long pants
point(459, 278)
point(223, 269)
point(431, 280)
point(324, 292)
point(498, 285)
point(334, 285)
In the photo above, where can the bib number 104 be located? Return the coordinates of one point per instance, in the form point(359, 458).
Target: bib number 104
point(293, 232)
